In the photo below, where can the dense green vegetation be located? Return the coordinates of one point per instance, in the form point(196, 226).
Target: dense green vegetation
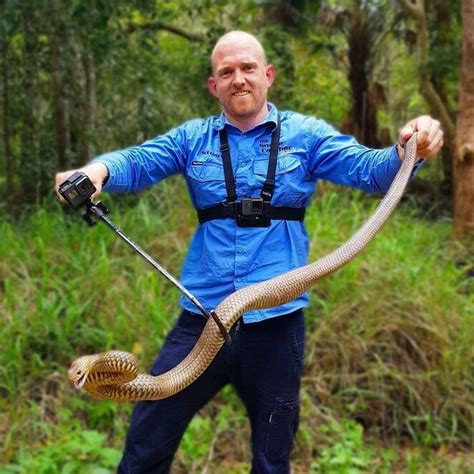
point(387, 351)
point(80, 78)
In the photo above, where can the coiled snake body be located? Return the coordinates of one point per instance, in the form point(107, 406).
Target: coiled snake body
point(114, 374)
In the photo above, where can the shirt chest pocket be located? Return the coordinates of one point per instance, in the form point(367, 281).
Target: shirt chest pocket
point(208, 169)
point(289, 171)
point(206, 181)
point(289, 180)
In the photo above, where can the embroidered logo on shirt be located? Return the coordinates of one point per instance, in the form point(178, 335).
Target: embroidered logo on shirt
point(265, 147)
point(197, 163)
point(211, 153)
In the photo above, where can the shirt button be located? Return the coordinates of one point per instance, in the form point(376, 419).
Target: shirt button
point(238, 279)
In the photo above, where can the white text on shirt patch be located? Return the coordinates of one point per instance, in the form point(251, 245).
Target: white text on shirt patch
point(282, 148)
point(211, 153)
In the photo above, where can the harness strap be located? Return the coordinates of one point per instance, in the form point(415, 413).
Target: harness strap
point(232, 210)
point(269, 185)
point(229, 176)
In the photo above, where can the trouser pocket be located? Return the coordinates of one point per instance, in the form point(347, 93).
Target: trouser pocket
point(282, 426)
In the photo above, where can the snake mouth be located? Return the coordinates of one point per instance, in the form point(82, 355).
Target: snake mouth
point(79, 383)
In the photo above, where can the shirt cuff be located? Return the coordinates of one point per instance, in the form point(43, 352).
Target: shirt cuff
point(396, 158)
point(118, 179)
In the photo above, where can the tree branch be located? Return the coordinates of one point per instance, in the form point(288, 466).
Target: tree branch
point(417, 12)
point(159, 25)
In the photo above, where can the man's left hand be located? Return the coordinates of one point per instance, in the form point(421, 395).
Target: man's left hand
point(429, 138)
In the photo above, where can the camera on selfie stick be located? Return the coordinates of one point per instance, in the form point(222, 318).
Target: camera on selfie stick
point(77, 190)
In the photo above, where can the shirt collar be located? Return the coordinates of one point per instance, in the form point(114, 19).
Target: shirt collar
point(272, 117)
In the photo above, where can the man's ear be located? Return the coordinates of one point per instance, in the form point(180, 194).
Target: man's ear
point(212, 86)
point(270, 73)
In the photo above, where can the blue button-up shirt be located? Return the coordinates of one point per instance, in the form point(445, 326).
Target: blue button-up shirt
point(224, 257)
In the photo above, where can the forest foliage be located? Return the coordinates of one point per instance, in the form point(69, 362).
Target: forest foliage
point(81, 78)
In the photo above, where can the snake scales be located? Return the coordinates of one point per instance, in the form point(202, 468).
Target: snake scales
point(114, 374)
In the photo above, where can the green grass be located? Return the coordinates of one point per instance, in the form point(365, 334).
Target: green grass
point(389, 346)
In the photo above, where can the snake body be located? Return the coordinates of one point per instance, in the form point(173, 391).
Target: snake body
point(114, 374)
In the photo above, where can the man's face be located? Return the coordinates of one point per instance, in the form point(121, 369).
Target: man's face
point(241, 80)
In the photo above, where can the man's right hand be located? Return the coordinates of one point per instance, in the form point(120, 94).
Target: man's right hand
point(97, 173)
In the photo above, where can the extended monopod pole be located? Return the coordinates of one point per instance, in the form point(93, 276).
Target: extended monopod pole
point(100, 211)
point(77, 191)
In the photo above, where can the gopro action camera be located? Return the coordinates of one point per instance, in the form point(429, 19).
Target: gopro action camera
point(253, 212)
point(77, 189)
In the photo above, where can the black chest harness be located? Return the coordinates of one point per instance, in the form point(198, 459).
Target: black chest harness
point(250, 211)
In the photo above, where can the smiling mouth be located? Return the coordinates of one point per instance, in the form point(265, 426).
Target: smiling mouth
point(241, 93)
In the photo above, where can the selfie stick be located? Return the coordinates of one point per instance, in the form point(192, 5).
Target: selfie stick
point(99, 211)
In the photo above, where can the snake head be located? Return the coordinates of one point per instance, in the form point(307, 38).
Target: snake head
point(79, 371)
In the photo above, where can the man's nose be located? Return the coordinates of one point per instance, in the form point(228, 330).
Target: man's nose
point(239, 78)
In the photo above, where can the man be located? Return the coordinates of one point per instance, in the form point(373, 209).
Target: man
point(226, 159)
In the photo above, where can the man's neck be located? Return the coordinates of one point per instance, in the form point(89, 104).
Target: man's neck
point(244, 124)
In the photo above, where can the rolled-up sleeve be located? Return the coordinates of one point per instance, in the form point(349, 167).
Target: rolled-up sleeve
point(141, 166)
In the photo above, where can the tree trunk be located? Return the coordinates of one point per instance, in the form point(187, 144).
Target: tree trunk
point(29, 159)
point(89, 108)
point(6, 123)
point(364, 111)
point(60, 107)
point(442, 45)
point(464, 143)
point(437, 107)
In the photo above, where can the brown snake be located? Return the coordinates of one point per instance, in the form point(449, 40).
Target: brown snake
point(114, 375)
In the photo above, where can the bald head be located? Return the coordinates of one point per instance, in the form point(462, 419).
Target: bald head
point(243, 40)
point(241, 78)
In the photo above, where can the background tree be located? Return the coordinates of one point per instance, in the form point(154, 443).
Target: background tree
point(7, 27)
point(464, 143)
point(457, 155)
point(432, 88)
point(444, 35)
point(365, 27)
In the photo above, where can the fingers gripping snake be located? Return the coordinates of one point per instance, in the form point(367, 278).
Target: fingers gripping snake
point(114, 374)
